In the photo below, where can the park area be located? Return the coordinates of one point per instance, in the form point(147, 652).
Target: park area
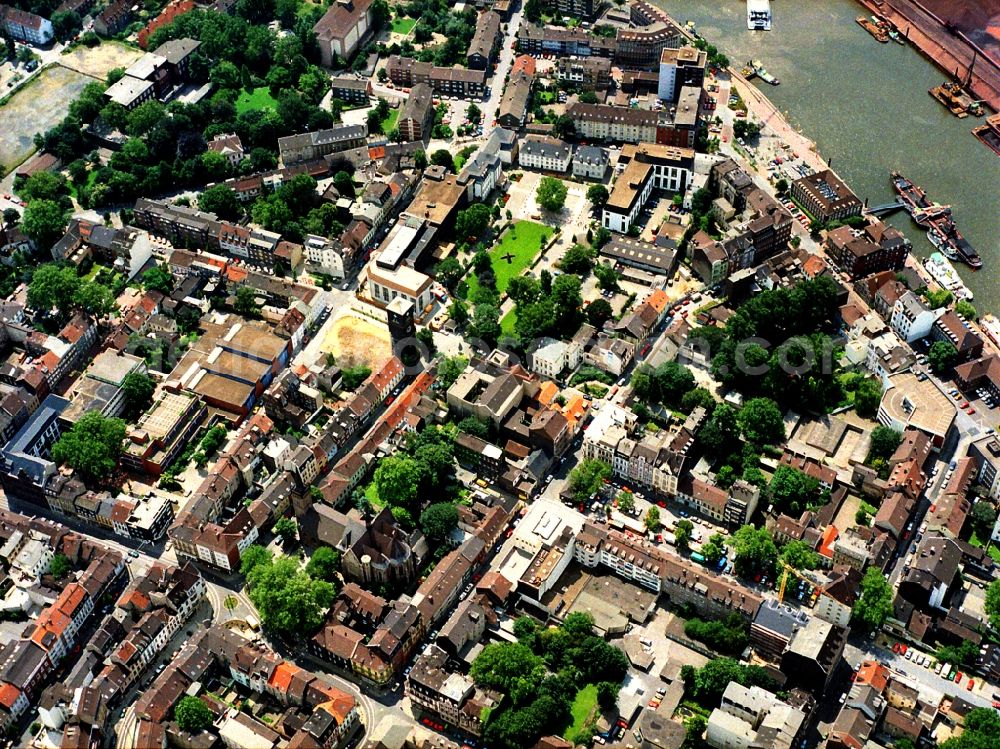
point(583, 710)
point(516, 251)
point(258, 99)
point(38, 106)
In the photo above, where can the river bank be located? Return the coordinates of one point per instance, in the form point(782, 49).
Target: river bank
point(865, 106)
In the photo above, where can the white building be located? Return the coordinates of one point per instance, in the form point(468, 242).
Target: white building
point(230, 146)
point(643, 169)
point(545, 154)
point(324, 256)
point(911, 319)
point(549, 357)
point(385, 284)
point(590, 162)
point(748, 714)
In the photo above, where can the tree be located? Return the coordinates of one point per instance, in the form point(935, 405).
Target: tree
point(44, 222)
point(884, 441)
point(761, 423)
point(874, 605)
point(599, 312)
point(59, 566)
point(793, 491)
point(509, 667)
point(578, 259)
point(420, 160)
point(721, 431)
point(472, 222)
point(607, 694)
point(449, 369)
point(438, 521)
point(551, 194)
point(441, 157)
point(323, 564)
point(683, 532)
point(867, 397)
point(799, 554)
point(286, 529)
point(352, 377)
point(992, 604)
point(964, 308)
point(11, 216)
point(587, 478)
point(714, 549)
point(754, 551)
point(942, 356)
point(652, 519)
point(138, 388)
point(474, 114)
point(397, 480)
point(781, 186)
point(607, 277)
point(254, 555)
point(158, 278)
point(486, 322)
point(246, 302)
point(564, 127)
point(222, 201)
point(448, 272)
point(344, 183)
point(597, 195)
point(288, 600)
point(91, 446)
point(95, 299)
point(626, 501)
point(983, 517)
point(192, 715)
point(52, 287)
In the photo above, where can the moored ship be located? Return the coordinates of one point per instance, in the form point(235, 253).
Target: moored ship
point(938, 220)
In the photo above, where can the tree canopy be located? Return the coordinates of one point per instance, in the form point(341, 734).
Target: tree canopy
point(760, 422)
point(754, 550)
point(91, 446)
point(587, 478)
point(792, 491)
point(289, 601)
point(192, 715)
point(551, 194)
point(438, 520)
point(324, 564)
point(874, 605)
point(138, 388)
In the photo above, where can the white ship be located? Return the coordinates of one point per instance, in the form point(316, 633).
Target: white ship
point(759, 15)
point(945, 274)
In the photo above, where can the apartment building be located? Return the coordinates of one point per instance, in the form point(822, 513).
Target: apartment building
point(620, 124)
point(643, 169)
point(589, 73)
point(485, 41)
point(295, 149)
point(680, 67)
point(417, 115)
point(26, 27)
point(545, 154)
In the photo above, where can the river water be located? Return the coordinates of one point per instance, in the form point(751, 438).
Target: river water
point(866, 107)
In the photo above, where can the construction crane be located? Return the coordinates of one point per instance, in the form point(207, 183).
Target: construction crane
point(784, 580)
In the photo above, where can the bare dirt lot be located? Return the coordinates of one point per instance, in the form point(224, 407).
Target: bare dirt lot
point(35, 108)
point(97, 62)
point(354, 340)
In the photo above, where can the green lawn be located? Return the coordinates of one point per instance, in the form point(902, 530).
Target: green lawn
point(545, 97)
point(518, 247)
point(508, 321)
point(583, 706)
point(390, 122)
point(371, 492)
point(260, 98)
point(991, 548)
point(403, 25)
point(91, 179)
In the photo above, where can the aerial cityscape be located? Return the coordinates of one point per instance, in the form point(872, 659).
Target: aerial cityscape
point(499, 374)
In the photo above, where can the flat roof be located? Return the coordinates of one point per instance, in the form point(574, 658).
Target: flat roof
point(917, 403)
